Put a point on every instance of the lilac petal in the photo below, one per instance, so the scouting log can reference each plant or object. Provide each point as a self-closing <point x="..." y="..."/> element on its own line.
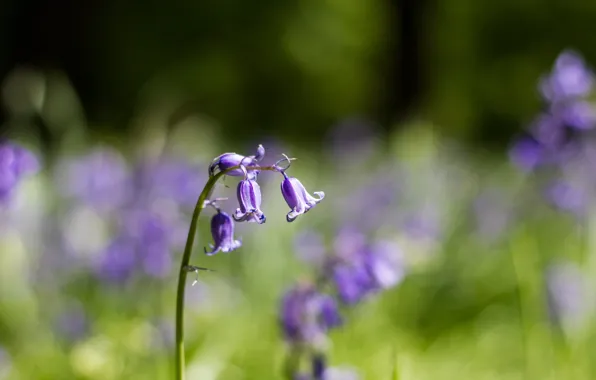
<point x="249" y="198"/>
<point x="222" y="231"/>
<point x="297" y="198"/>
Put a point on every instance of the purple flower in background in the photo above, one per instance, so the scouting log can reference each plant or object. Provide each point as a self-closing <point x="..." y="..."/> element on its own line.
<point x="154" y="236"/>
<point x="319" y="365"/>
<point x="527" y="154"/>
<point x="570" y="78"/>
<point x="118" y="260"/>
<point x="306" y="315"/>
<point x="249" y="198"/>
<point x="358" y="273"/>
<point x="173" y="179"/>
<point x="222" y="230"/>
<point x="580" y="115"/>
<point x="101" y="179"/>
<point x="229" y="160"/>
<point x="15" y="163"/>
<point x="297" y="198"/>
<point x="567" y="294"/>
<point x="567" y="197"/>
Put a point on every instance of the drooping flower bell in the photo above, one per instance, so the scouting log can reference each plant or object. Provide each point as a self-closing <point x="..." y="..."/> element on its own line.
<point x="229" y="160"/>
<point x="222" y="230"/>
<point x="249" y="198"/>
<point x="296" y="196"/>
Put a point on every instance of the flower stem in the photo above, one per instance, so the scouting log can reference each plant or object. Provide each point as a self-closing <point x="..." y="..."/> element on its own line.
<point x="205" y="194"/>
<point x="183" y="273"/>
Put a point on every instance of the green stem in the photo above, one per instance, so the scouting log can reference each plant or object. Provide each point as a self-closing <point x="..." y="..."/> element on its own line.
<point x="205" y="194"/>
<point x="183" y="273"/>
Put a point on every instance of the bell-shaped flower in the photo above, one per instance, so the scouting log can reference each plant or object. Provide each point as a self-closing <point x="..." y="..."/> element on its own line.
<point x="222" y="230"/>
<point x="227" y="161"/>
<point x="249" y="198"/>
<point x="296" y="196"/>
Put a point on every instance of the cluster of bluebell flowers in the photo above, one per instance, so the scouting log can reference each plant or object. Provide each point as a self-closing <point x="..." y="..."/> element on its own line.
<point x="559" y="139"/>
<point x="249" y="196"/>
<point x="351" y="272"/>
<point x="16" y="163"/>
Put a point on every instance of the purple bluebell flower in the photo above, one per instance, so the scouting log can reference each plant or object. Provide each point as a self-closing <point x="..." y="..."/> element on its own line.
<point x="101" y="179"/>
<point x="366" y="270"/>
<point x="568" y="197"/>
<point x="306" y="315"/>
<point x="222" y="230"/>
<point x="527" y="154"/>
<point x="118" y="261"/>
<point x="297" y="198"/>
<point x="570" y="78"/>
<point x="170" y="178"/>
<point x="15" y="163"/>
<point x="579" y="115"/>
<point x="249" y="198"/>
<point x="226" y="161"/>
<point x="319" y="365"/>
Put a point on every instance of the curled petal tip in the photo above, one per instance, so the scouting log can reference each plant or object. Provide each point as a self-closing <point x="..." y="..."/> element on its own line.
<point x="320" y="194"/>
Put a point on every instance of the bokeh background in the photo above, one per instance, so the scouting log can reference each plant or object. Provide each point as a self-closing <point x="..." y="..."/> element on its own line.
<point x="404" y="112"/>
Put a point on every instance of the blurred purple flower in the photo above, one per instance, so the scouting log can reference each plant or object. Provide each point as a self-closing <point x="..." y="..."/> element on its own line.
<point x="15" y="163"/>
<point x="222" y="231"/>
<point x="366" y="270"/>
<point x="100" y="179"/>
<point x="570" y="78"/>
<point x="118" y="261"/>
<point x="567" y="197"/>
<point x="173" y="179"/>
<point x="527" y="154"/>
<point x="567" y="293"/>
<point x="306" y="315"/>
<point x="580" y="115"/>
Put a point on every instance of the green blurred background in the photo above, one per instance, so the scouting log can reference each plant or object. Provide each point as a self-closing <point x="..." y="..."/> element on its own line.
<point x="293" y="68"/>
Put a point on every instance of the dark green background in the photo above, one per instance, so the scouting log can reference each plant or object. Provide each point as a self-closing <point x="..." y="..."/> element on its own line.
<point x="294" y="68"/>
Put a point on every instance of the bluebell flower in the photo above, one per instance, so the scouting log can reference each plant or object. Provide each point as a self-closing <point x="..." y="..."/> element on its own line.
<point x="222" y="230"/>
<point x="570" y="78"/>
<point x="366" y="271"/>
<point x="118" y="261"/>
<point x="249" y="198"/>
<point x="100" y="179"/>
<point x="527" y="154"/>
<point x="15" y="163"/>
<point x="297" y="198"/>
<point x="226" y="161"/>
<point x="319" y="365"/>
<point x="568" y="197"/>
<point x="306" y="315"/>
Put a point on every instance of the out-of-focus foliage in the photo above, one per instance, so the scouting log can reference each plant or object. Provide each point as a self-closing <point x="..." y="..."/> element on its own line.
<point x="495" y="282"/>
<point x="490" y="280"/>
